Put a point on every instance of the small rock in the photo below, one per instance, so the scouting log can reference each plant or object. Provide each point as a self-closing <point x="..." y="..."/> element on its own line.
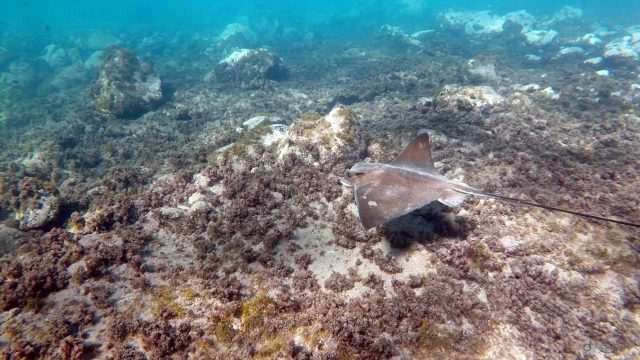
<point x="468" y="97"/>
<point x="593" y="61"/>
<point x="540" y="37"/>
<point x="277" y="134"/>
<point x="572" y="50"/>
<point x="590" y="39"/>
<point x="550" y="93"/>
<point x="623" y="50"/>
<point x="481" y="69"/>
<point x="257" y="120"/>
<point x="41" y="210"/>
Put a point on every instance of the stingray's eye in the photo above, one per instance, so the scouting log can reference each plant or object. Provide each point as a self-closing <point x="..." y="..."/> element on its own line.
<point x="351" y="174"/>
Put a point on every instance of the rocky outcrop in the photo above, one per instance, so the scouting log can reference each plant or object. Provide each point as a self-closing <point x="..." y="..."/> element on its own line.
<point x="126" y="87"/>
<point x="248" y="68"/>
<point x="332" y="135"/>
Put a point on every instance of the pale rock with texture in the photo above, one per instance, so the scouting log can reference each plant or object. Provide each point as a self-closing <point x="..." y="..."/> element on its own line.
<point x="623" y="49"/>
<point x="550" y="93"/>
<point x="593" y="61"/>
<point x="590" y="39"/>
<point x="522" y="18"/>
<point x="278" y="134"/>
<point x="468" y="97"/>
<point x="257" y="120"/>
<point x="331" y="134"/>
<point x="235" y="57"/>
<point x="126" y="87"/>
<point x="540" y="37"/>
<point x="482" y="69"/>
<point x="249" y="66"/>
<point x="571" y="50"/>
<point x="474" y="22"/>
<point x="42" y="209"/>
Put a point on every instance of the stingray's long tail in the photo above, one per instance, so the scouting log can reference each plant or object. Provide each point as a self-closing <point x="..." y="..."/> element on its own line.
<point x="472" y="191"/>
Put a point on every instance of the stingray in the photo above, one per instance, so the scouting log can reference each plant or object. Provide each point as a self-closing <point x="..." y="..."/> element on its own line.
<point x="384" y="192"/>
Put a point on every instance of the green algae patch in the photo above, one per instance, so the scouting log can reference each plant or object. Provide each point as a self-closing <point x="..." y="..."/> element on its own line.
<point x="271" y="348"/>
<point x="190" y="294"/>
<point x="434" y="340"/>
<point x="247" y="322"/>
<point x="165" y="305"/>
<point x="256" y="310"/>
<point x="483" y="259"/>
<point x="223" y="331"/>
<point x="437" y="341"/>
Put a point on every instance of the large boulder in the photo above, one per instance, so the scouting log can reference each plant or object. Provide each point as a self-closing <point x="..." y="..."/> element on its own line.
<point x="126" y="87"/>
<point x="247" y="67"/>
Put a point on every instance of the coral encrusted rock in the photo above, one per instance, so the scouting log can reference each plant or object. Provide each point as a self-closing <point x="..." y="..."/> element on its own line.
<point x="248" y="67"/>
<point x="333" y="135"/>
<point x="38" y="210"/>
<point x="126" y="87"/>
<point x="467" y="98"/>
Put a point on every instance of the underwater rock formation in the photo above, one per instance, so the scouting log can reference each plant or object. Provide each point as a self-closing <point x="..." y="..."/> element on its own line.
<point x="38" y="210"/>
<point x="248" y="67"/>
<point x="127" y="87"/>
<point x="467" y="98"/>
<point x="217" y="227"/>
<point x="332" y="135"/>
<point x="485" y="24"/>
<point x="625" y="50"/>
<point x="56" y="56"/>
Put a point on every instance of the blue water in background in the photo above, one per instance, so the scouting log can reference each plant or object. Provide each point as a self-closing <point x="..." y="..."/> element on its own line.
<point x="46" y="18"/>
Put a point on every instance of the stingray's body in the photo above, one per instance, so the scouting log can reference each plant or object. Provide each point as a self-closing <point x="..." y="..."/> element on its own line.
<point x="384" y="192"/>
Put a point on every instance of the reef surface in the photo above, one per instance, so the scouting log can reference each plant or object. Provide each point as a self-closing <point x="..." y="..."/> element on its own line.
<point x="174" y="196"/>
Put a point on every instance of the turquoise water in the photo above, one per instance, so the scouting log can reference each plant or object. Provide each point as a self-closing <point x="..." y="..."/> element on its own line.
<point x="201" y="15"/>
<point x="186" y="180"/>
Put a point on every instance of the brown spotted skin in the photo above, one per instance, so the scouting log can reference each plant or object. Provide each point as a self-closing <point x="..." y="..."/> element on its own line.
<point x="384" y="195"/>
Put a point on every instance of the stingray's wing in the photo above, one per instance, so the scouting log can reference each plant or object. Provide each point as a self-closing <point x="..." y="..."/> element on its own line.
<point x="382" y="196"/>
